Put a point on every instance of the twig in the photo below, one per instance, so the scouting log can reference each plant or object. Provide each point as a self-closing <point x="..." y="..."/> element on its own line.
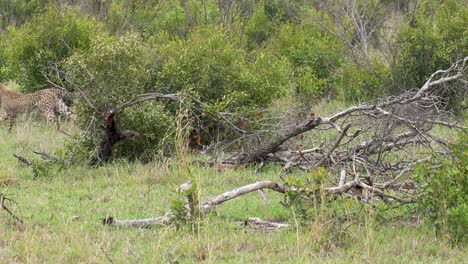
<point x="4" y="207"/>
<point x="46" y="156"/>
<point x="107" y="256"/>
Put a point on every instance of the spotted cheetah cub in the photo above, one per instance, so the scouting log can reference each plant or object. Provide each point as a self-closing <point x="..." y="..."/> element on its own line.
<point x="48" y="101"/>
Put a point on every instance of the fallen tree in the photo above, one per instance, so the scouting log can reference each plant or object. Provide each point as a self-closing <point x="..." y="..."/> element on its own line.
<point x="376" y="144"/>
<point x="215" y="201"/>
<point x="379" y="127"/>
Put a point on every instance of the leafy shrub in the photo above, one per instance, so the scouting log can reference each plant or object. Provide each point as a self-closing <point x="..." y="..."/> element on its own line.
<point x="144" y="18"/>
<point x="259" y="28"/>
<point x="224" y="77"/>
<point x="432" y="40"/>
<point x="354" y="83"/>
<point x="14" y="13"/>
<point x="207" y="66"/>
<point x="121" y="68"/>
<point x="314" y="55"/>
<point x="42" y="168"/>
<point x="306" y="46"/>
<point x="308" y="86"/>
<point x="48" y="38"/>
<point x="444" y="199"/>
<point x="305" y="204"/>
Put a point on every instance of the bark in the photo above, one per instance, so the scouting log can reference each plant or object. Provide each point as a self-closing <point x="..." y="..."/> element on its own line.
<point x="112" y="136"/>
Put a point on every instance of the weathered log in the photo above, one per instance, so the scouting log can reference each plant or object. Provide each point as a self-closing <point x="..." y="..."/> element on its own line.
<point x="45" y="156"/>
<point x="261" y="154"/>
<point x="140" y="223"/>
<point x="219" y="199"/>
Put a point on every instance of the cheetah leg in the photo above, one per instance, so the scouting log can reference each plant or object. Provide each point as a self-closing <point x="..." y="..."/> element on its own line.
<point x="52" y="117"/>
<point x="62" y="109"/>
<point x="11" y="119"/>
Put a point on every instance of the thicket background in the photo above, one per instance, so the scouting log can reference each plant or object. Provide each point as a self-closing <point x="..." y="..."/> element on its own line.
<point x="237" y="56"/>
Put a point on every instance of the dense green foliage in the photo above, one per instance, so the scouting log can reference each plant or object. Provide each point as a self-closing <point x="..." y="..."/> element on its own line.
<point x="48" y="38"/>
<point x="235" y="56"/>
<point x="435" y="37"/>
<point x="107" y="60"/>
<point x="444" y="199"/>
<point x="314" y="56"/>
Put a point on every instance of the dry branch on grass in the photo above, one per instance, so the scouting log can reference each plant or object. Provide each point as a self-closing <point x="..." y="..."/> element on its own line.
<point x="390" y="122"/>
<point x="204" y="207"/>
<point x="264" y="225"/>
<point x="45" y="157"/>
<point x="215" y="201"/>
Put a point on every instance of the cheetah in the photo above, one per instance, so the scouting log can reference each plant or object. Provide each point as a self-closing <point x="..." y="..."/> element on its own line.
<point x="48" y="101"/>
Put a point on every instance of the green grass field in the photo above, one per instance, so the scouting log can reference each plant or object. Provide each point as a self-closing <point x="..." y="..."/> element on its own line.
<point x="62" y="214"/>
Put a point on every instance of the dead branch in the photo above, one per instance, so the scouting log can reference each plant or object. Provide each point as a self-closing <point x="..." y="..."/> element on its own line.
<point x="342" y="177"/>
<point x="205" y="207"/>
<point x="23" y="159"/>
<point x="215" y="201"/>
<point x="46" y="156"/>
<point x="140" y="223"/>
<point x="145" y="97"/>
<point x="391" y="124"/>
<point x="261" y="154"/>
<point x="4" y="199"/>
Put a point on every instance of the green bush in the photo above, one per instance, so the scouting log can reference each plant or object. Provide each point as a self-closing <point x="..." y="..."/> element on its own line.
<point x="206" y="65"/>
<point x="306" y="46"/>
<point x="444" y="199"/>
<point x="226" y="78"/>
<point x="45" y="40"/>
<point x="259" y="28"/>
<point x="354" y="83"/>
<point x="144" y="18"/>
<point x="306" y="205"/>
<point x="309" y="87"/>
<point x="121" y="68"/>
<point x="315" y="57"/>
<point x="14" y="13"/>
<point x="432" y="40"/>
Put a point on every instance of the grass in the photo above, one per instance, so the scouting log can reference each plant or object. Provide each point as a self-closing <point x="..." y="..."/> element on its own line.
<point x="63" y="211"/>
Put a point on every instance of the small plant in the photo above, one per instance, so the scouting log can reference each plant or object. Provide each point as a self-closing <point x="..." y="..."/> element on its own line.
<point x="304" y="195"/>
<point x="185" y="205"/>
<point x="45" y="168"/>
<point x="444" y="199"/>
